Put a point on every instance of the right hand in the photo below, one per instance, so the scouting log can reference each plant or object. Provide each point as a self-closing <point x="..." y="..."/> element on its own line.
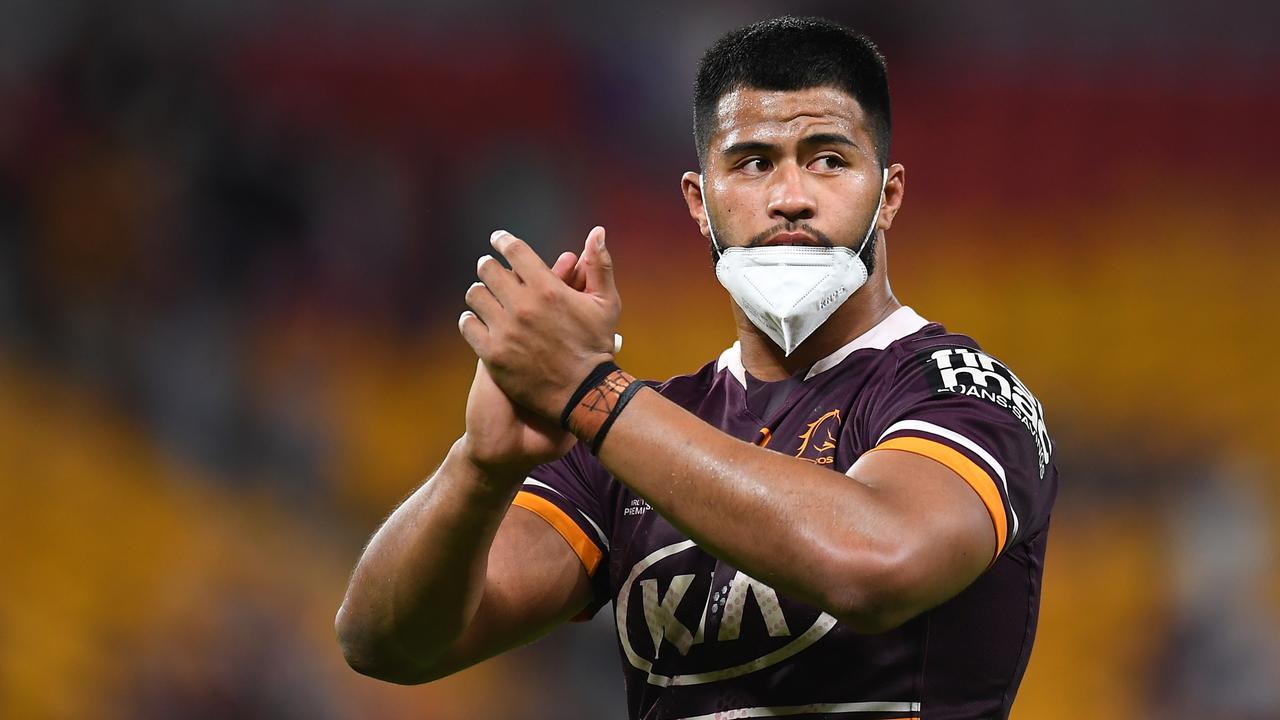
<point x="503" y="437"/>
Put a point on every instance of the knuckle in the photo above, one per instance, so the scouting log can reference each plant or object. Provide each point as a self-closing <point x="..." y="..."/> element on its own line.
<point x="498" y="358"/>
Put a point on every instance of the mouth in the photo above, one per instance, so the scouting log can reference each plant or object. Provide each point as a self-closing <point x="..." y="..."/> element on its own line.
<point x="793" y="238"/>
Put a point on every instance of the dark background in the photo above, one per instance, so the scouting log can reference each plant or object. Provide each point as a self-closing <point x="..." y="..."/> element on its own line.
<point x="234" y="239"/>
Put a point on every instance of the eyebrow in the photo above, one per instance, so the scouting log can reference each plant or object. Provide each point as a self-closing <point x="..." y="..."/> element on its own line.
<point x="756" y="146"/>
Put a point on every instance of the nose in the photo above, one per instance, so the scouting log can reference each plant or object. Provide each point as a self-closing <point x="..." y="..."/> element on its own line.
<point x="789" y="197"/>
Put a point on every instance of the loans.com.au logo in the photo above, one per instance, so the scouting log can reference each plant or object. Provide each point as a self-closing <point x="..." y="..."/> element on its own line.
<point x="963" y="371"/>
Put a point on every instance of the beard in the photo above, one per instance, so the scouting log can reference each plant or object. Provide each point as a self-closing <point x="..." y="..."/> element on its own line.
<point x="868" y="254"/>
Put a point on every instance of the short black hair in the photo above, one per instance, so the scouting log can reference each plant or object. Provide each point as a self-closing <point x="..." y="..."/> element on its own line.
<point x="793" y="53"/>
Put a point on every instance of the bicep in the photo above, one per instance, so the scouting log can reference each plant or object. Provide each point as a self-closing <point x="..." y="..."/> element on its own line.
<point x="946" y="536"/>
<point x="534" y="582"/>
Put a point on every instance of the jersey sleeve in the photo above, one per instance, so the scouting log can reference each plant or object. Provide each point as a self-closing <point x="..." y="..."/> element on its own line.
<point x="968" y="411"/>
<point x="569" y="495"/>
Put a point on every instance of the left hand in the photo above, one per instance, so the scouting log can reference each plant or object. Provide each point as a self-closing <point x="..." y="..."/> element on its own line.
<point x="538" y="336"/>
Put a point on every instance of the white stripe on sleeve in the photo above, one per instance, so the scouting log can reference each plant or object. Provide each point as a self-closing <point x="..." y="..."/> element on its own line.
<point x="599" y="533"/>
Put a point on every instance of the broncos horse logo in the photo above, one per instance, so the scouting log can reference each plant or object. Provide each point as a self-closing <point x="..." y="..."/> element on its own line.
<point x="818" y="441"/>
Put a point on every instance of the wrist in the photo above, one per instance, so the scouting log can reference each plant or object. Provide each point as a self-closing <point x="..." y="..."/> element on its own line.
<point x="597" y="402"/>
<point x="554" y="407"/>
<point x="500" y="475"/>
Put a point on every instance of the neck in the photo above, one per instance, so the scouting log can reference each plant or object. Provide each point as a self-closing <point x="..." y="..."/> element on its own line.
<point x="764" y="360"/>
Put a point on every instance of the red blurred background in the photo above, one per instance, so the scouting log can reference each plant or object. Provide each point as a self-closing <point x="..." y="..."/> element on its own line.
<point x="234" y="241"/>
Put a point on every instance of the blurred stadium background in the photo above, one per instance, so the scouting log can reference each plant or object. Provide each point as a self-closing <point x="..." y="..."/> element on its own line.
<point x="234" y="239"/>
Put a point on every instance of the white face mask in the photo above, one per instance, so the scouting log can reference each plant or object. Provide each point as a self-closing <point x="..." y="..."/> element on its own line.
<point x="789" y="291"/>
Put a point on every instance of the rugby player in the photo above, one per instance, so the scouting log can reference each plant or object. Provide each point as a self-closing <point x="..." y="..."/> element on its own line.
<point x="843" y="516"/>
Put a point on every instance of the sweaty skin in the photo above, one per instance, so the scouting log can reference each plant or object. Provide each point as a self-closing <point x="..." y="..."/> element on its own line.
<point x="906" y="536"/>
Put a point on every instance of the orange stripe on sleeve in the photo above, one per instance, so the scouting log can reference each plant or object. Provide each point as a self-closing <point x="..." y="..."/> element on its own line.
<point x="586" y="550"/>
<point x="977" y="478"/>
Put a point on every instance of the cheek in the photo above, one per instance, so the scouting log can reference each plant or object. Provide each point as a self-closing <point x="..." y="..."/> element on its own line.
<point x="732" y="210"/>
<point x="843" y="218"/>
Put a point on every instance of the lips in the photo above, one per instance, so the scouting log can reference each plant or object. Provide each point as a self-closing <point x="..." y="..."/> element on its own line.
<point x="792" y="238"/>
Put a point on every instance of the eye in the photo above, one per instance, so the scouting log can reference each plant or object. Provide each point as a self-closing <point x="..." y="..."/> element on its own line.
<point x="828" y="163"/>
<point x="755" y="166"/>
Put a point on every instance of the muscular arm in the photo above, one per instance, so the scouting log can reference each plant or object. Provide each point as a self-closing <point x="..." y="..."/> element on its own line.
<point x="452" y="578"/>
<point x="456" y="574"/>
<point x="897" y="536"/>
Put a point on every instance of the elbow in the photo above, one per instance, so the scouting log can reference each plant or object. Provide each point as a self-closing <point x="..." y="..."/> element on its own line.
<point x="871" y="595"/>
<point x="374" y="655"/>
<point x="872" y="619"/>
<point x="361" y="648"/>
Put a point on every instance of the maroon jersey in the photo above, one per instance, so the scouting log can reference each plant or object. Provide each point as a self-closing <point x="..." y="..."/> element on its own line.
<point x="702" y="640"/>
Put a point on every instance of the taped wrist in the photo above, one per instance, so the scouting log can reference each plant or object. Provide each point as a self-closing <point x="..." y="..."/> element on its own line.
<point x="597" y="402"/>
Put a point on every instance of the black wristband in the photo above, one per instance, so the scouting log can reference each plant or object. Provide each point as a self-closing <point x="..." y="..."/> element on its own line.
<point x="623" y="399"/>
<point x="593" y="379"/>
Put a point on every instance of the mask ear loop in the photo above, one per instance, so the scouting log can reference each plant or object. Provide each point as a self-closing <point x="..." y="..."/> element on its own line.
<point x="884" y="182"/>
<point x="715" y="246"/>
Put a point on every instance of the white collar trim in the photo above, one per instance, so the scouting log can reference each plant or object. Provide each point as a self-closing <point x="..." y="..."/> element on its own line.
<point x="899" y="324"/>
<point x="731" y="358"/>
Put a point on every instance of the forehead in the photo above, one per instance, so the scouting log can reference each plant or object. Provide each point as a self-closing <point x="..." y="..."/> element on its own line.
<point x="778" y="115"/>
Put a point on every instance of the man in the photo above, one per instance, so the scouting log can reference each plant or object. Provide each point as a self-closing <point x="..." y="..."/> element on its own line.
<point x="842" y="516"/>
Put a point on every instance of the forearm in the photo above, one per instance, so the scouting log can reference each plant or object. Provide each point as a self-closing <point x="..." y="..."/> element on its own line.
<point x="421" y="578"/>
<point x="813" y="533"/>
<point x="898" y="535"/>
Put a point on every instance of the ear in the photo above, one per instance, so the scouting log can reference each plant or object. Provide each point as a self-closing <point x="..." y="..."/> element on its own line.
<point x="691" y="187"/>
<point x="893" y="191"/>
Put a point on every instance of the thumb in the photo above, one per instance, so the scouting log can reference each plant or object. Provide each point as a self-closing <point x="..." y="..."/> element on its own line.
<point x="597" y="265"/>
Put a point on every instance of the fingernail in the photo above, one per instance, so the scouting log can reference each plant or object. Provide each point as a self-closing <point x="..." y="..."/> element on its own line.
<point x="493" y="238"/>
<point x="483" y="258"/>
<point x="600" y="241"/>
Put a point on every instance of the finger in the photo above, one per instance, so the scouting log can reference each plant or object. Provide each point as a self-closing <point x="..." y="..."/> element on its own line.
<point x="564" y="266"/>
<point x="597" y="265"/>
<point x="578" y="279"/>
<point x="474" y="332"/>
<point x="523" y="260"/>
<point x="500" y="281"/>
<point x="485" y="305"/>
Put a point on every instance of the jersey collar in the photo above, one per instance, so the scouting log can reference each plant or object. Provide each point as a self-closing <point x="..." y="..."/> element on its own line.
<point x="899" y="324"/>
